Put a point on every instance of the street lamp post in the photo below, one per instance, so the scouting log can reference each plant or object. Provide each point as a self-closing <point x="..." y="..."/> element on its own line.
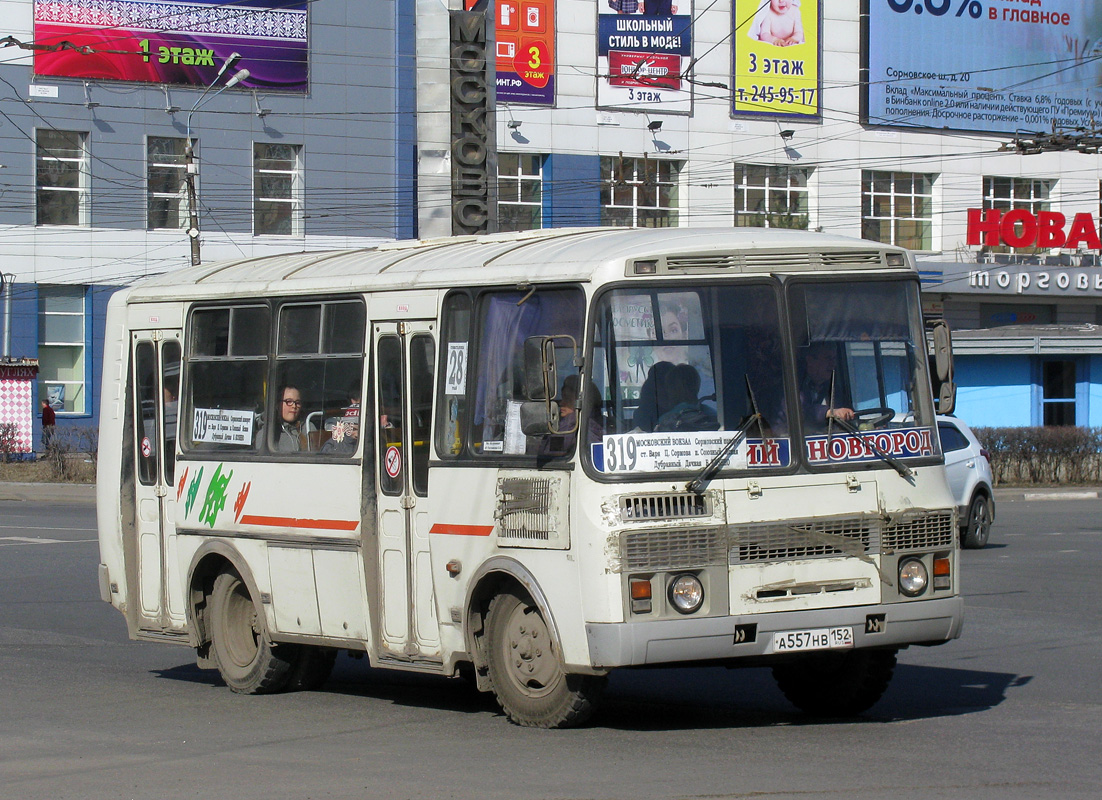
<point x="189" y="150"/>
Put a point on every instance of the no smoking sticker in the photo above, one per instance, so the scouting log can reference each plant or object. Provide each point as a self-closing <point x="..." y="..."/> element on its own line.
<point x="393" y="461"/>
<point x="147" y="448"/>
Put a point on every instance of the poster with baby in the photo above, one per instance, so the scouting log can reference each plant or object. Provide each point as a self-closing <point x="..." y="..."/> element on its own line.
<point x="775" y="57"/>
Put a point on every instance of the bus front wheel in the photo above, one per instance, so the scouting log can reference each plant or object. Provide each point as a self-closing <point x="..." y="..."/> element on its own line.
<point x="836" y="684"/>
<point x="531" y="686"/>
<point x="248" y="662"/>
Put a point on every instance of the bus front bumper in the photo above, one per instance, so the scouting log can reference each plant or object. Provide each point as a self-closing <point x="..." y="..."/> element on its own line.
<point x="668" y="641"/>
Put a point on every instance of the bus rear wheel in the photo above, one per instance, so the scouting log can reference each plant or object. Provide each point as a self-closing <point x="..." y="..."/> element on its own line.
<point x="248" y="662"/>
<point x="528" y="678"/>
<point x="836" y="684"/>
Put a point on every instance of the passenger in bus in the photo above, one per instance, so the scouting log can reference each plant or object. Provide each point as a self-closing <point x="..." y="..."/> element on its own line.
<point x="293" y="430"/>
<point x="686" y="413"/>
<point x="817" y="382"/>
<point x="649" y="409"/>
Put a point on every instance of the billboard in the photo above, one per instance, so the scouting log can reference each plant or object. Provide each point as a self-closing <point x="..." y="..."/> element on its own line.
<point x="525" y="50"/>
<point x="643" y="49"/>
<point x="998" y="66"/>
<point x="775" y="58"/>
<point x="178" y="43"/>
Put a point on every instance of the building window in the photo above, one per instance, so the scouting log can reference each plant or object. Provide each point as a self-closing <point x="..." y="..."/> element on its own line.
<point x="896" y="208"/>
<point x="61" y="347"/>
<point x="277" y="194"/>
<point x="639" y="192"/>
<point x="1058" y="392"/>
<point x="771" y="196"/>
<point x="166" y="183"/>
<point x="1007" y="194"/>
<point x="519" y="192"/>
<point x="61" y="177"/>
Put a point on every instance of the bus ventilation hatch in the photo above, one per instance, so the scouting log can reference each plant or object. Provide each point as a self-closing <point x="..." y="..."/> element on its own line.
<point x="674" y="505"/>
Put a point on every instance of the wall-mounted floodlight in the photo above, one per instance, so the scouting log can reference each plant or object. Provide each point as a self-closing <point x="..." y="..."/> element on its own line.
<point x="655" y="126"/>
<point x="787" y="134"/>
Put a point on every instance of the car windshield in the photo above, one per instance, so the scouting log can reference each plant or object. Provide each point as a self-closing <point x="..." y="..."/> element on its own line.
<point x="680" y="369"/>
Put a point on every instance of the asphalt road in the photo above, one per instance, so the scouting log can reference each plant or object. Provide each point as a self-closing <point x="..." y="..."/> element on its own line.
<point x="1011" y="710"/>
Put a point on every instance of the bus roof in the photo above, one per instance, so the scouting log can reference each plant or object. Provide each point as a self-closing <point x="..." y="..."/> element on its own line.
<point x="560" y="254"/>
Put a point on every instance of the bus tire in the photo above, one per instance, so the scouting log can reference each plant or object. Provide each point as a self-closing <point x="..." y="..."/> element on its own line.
<point x="527" y="675"/>
<point x="836" y="684"/>
<point x="249" y="664"/>
<point x="311" y="668"/>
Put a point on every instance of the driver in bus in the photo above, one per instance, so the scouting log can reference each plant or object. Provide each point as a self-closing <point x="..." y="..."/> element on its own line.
<point x="816" y="381"/>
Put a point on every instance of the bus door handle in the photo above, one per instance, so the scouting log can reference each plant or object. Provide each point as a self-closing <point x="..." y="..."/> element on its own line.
<point x="408" y="501"/>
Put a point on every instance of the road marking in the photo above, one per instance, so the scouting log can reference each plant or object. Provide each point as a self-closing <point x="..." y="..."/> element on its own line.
<point x="32" y="540"/>
<point x="44" y="528"/>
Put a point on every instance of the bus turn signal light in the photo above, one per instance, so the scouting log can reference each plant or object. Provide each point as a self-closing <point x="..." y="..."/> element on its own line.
<point x="942" y="573"/>
<point x="640" y="595"/>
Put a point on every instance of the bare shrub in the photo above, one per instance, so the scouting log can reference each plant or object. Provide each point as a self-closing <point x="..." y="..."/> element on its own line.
<point x="9" y="441"/>
<point x="1044" y="455"/>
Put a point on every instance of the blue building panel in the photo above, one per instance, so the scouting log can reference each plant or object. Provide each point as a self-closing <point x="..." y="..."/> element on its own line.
<point x="571" y="191"/>
<point x="995" y="391"/>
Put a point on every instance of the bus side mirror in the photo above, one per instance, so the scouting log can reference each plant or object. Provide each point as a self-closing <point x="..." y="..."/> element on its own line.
<point x="541" y="379"/>
<point x="539" y="417"/>
<point x="945" y="399"/>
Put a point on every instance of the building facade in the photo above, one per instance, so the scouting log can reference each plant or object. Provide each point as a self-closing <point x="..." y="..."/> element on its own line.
<point x="964" y="132"/>
<point x="311" y="147"/>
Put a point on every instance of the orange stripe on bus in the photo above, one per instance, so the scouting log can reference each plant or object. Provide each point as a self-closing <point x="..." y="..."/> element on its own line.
<point x="462" y="530"/>
<point x="289" y="522"/>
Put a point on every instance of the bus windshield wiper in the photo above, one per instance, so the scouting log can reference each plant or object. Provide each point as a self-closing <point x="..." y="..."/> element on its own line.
<point x="870" y="442"/>
<point x="712" y="467"/>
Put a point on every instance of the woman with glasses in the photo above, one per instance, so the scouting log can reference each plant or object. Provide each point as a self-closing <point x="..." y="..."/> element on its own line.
<point x="293" y="430"/>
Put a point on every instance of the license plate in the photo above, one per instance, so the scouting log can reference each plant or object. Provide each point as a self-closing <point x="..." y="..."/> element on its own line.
<point x="815" y="639"/>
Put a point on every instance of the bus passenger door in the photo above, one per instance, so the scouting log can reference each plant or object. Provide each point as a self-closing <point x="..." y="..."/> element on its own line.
<point x="156" y="359"/>
<point x="404" y="357"/>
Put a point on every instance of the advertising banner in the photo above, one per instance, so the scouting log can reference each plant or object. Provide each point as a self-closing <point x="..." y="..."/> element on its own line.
<point x="999" y="66"/>
<point x="643" y="49"/>
<point x="525" y="43"/>
<point x="178" y="43"/>
<point x="775" y="58"/>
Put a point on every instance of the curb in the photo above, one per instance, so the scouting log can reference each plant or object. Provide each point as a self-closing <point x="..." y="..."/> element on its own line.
<point x="40" y="492"/>
<point x="1029" y="494"/>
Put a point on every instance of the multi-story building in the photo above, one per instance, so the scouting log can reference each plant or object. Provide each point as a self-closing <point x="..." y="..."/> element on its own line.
<point x="892" y="120"/>
<point x="910" y="121"/>
<point x="311" y="147"/>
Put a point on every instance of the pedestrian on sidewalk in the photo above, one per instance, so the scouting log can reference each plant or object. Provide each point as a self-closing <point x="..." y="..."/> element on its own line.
<point x="49" y="421"/>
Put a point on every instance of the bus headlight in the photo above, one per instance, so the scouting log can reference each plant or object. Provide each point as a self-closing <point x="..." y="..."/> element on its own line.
<point x="686" y="593"/>
<point x="913" y="577"/>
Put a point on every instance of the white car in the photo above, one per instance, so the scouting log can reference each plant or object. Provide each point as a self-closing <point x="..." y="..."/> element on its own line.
<point x="969" y="471"/>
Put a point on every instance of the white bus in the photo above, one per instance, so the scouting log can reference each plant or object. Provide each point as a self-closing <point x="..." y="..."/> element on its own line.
<point x="531" y="459"/>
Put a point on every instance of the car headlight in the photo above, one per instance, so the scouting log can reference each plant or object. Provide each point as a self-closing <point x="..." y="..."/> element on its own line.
<point x="686" y="593"/>
<point x="913" y="577"/>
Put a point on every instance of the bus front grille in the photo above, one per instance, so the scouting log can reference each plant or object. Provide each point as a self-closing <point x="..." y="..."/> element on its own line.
<point x="672" y="549"/>
<point x="925" y="532"/>
<point x="779" y="541"/>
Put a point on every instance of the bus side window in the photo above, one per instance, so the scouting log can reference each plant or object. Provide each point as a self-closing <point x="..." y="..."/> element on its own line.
<point x="317" y="379"/>
<point x="227" y="369"/>
<point x="506" y="320"/>
<point x="454" y="361"/>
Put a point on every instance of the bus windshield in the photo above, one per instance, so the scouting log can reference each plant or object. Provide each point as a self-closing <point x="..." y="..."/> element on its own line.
<point x="680" y="369"/>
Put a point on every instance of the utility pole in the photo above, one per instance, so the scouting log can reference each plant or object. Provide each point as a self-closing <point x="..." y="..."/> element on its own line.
<point x="192" y="168"/>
